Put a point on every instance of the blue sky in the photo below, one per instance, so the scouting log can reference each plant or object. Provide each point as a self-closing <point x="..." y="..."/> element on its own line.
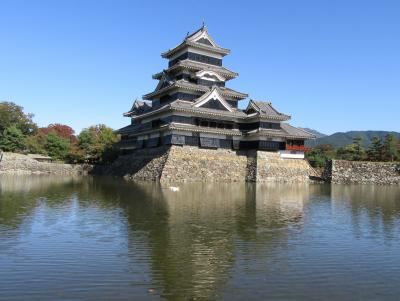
<point x="332" y="65"/>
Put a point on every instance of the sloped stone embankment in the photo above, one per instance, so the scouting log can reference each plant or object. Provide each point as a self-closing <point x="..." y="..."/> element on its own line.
<point x="13" y="163"/>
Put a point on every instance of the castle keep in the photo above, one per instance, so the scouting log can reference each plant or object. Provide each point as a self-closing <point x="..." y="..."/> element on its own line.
<point x="192" y="109"/>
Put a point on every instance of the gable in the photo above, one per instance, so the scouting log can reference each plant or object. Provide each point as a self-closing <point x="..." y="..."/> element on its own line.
<point x="252" y="108"/>
<point x="204" y="41"/>
<point x="203" y="37"/>
<point x="214" y="104"/>
<point x="164" y="82"/>
<point x="251" y="111"/>
<point x="217" y="101"/>
<point x="210" y="77"/>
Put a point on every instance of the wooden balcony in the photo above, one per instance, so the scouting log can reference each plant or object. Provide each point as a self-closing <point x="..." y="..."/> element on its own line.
<point x="300" y="148"/>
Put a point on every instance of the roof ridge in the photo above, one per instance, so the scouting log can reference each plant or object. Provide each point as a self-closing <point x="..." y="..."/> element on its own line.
<point x="188" y="36"/>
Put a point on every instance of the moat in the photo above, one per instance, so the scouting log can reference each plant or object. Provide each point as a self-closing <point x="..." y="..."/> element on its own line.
<point x="97" y="238"/>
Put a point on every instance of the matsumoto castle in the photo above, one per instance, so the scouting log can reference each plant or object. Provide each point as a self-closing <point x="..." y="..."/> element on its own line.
<point x="192" y="105"/>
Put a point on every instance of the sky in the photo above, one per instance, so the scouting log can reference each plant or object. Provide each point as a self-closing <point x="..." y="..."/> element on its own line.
<point x="334" y="66"/>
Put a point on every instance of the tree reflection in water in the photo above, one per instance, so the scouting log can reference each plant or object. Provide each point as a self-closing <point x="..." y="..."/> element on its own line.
<point x="377" y="206"/>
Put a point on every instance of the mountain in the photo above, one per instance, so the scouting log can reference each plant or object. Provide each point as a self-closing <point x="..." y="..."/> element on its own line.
<point x="314" y="132"/>
<point x="342" y="139"/>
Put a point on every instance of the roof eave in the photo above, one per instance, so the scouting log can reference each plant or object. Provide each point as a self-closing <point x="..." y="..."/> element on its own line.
<point x="170" y="52"/>
<point x="127" y="114"/>
<point x="278" y="118"/>
<point x="224" y="72"/>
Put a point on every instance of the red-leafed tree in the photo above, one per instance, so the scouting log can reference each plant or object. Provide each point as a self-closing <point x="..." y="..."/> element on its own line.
<point x="61" y="130"/>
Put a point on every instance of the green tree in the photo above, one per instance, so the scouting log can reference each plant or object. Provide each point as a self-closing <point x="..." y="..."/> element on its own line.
<point x="56" y="147"/>
<point x="98" y="142"/>
<point x="347" y="153"/>
<point x="320" y="155"/>
<point x="359" y="152"/>
<point x="13" y="115"/>
<point x="374" y="151"/>
<point x="398" y="147"/>
<point x="390" y="151"/>
<point x="12" y="139"/>
<point x="36" y="143"/>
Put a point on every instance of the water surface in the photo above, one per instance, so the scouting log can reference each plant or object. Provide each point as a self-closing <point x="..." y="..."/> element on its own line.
<point x="106" y="239"/>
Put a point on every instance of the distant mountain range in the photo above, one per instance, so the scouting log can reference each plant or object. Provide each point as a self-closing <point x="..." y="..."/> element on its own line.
<point x="342" y="139"/>
<point x="316" y="133"/>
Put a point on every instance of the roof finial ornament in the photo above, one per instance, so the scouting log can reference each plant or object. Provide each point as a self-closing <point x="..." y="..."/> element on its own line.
<point x="203" y="25"/>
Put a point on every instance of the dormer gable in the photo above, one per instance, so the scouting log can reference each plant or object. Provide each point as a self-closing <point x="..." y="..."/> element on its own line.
<point x="213" y="100"/>
<point x="210" y="75"/>
<point x="165" y="81"/>
<point x="203" y="37"/>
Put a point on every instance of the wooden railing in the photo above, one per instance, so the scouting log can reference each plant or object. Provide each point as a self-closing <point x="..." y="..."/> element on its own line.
<point x="301" y="148"/>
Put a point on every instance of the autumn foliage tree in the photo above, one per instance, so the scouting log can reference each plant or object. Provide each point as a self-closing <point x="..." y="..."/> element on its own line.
<point x="61" y="130"/>
<point x="18" y="133"/>
<point x="55" y="140"/>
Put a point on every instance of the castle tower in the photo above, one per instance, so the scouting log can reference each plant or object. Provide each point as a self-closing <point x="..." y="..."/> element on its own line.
<point x="192" y="105"/>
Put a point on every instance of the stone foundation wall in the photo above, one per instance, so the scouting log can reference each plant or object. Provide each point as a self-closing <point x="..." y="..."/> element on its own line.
<point x="272" y="168"/>
<point x="349" y="172"/>
<point x="142" y="165"/>
<point x="193" y="164"/>
<point x="251" y="168"/>
<point x="13" y="163"/>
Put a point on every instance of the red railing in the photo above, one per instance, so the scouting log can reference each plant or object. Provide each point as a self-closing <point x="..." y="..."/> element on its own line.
<point x="301" y="148"/>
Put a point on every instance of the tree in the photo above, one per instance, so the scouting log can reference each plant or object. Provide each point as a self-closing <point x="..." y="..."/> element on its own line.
<point x="35" y="144"/>
<point x="13" y="115"/>
<point x="12" y="140"/>
<point x="359" y="153"/>
<point x="98" y="143"/>
<point x="398" y="148"/>
<point x="62" y="130"/>
<point x="390" y="151"/>
<point x="76" y="154"/>
<point x="56" y="147"/>
<point x="347" y="152"/>
<point x="320" y="155"/>
<point x="374" y="152"/>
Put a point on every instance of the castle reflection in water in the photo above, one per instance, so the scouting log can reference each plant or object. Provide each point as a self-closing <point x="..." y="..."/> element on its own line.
<point x="193" y="242"/>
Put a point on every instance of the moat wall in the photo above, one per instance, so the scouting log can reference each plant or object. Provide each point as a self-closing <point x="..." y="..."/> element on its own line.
<point x="13" y="163"/>
<point x="142" y="165"/>
<point x="272" y="168"/>
<point x="192" y="164"/>
<point x="361" y="172"/>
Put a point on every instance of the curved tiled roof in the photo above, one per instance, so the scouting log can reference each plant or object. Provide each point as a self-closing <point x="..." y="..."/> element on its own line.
<point x="265" y="109"/>
<point x="195" y="87"/>
<point x="185" y="106"/>
<point x="286" y="131"/>
<point x="296" y="132"/>
<point x="139" y="107"/>
<point x="190" y="41"/>
<point x="197" y="66"/>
